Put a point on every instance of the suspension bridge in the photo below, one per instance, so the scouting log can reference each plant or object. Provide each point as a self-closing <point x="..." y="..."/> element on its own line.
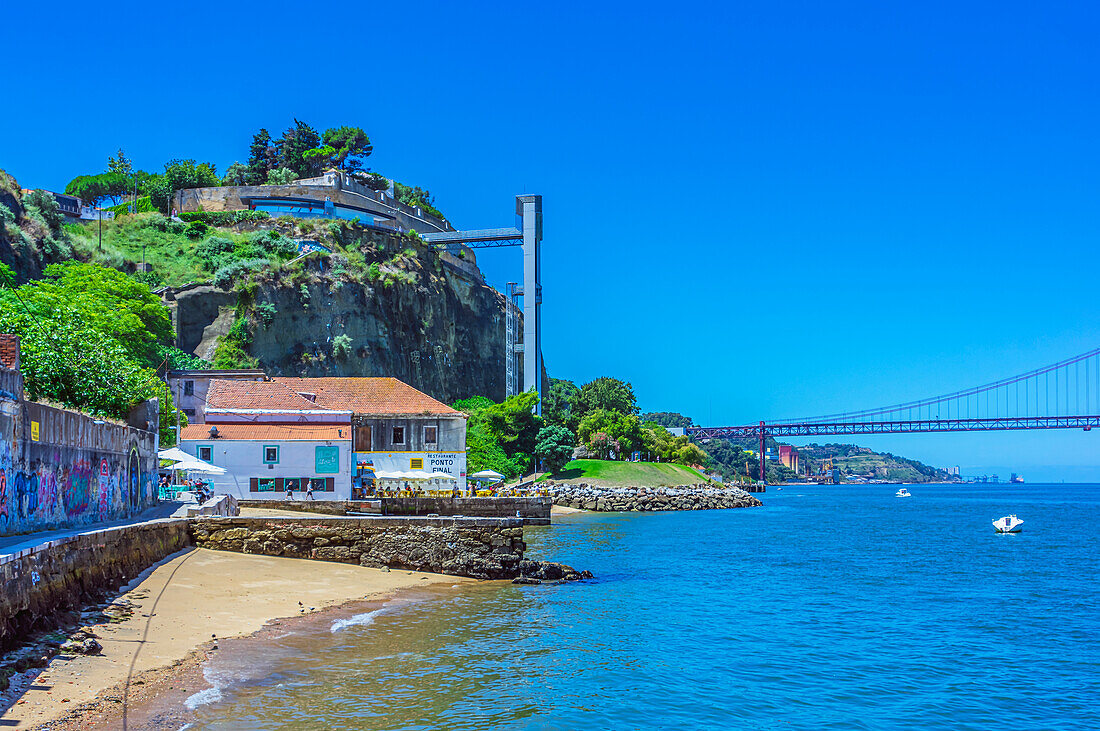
<point x="1063" y="395"/>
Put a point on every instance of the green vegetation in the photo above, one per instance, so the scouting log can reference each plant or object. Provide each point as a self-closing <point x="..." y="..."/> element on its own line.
<point x="501" y="436"/>
<point x="92" y="339"/>
<point x="554" y="447"/>
<point x="628" y="474"/>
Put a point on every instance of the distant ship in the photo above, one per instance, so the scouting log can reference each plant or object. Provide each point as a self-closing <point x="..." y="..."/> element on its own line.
<point x="1016" y="479"/>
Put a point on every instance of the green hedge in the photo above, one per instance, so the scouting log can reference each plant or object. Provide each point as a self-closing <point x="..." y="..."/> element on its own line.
<point x="225" y="218"/>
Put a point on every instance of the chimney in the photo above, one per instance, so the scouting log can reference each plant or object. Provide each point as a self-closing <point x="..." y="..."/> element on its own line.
<point x="308" y="396"/>
<point x="9" y="351"/>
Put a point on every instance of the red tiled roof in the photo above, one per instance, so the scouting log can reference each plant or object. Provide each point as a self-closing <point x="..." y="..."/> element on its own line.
<point x="367" y="395"/>
<point x="273" y="432"/>
<point x="232" y="394"/>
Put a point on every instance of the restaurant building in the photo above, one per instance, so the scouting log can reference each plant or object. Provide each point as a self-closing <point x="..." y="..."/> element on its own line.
<point x="344" y="437"/>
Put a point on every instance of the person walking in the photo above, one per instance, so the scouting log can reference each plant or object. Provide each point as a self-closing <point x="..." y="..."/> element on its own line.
<point x="289" y="492"/>
<point x="309" y="491"/>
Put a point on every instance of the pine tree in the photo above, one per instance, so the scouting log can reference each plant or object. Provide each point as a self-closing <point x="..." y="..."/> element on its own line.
<point x="261" y="158"/>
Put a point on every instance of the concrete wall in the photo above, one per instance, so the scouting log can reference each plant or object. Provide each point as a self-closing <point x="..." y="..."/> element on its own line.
<point x="40" y="584"/>
<point x="533" y="510"/>
<point x="225" y="505"/>
<point x="340" y="192"/>
<point x="244" y="460"/>
<point x="483" y="548"/>
<point x="61" y="468"/>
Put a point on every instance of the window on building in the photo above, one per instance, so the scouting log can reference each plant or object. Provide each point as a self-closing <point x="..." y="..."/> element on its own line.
<point x="363" y="441"/>
<point x="188" y="388"/>
<point x="430" y="433"/>
<point x="416" y="463"/>
<point x="271" y="454"/>
<point x="189" y="412"/>
<point x="205" y="453"/>
<point x="293" y="484"/>
<point x="266" y="484"/>
<point x="398" y="435"/>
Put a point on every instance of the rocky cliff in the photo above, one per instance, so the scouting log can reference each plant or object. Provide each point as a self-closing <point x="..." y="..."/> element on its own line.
<point x="419" y="318"/>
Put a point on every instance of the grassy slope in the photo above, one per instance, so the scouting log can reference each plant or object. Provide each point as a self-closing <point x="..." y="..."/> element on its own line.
<point x="623" y="474"/>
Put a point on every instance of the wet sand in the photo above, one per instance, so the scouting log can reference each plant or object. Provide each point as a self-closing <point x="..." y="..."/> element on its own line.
<point x="563" y="510"/>
<point x="179" y="607"/>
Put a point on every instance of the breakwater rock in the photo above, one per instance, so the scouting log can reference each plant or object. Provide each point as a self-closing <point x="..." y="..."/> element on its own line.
<point x="630" y="499"/>
<point x="547" y="572"/>
<point x="482" y="548"/>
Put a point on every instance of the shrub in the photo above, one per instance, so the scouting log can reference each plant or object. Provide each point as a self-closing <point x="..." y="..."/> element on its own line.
<point x="213" y="249"/>
<point x="281" y="176"/>
<point x="266" y="312"/>
<point x="341" y="347"/>
<point x="44" y="207"/>
<point x="374" y="272"/>
<point x="197" y="229"/>
<point x="229" y="273"/>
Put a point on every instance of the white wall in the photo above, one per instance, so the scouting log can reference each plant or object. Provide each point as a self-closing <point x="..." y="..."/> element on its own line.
<point x="244" y="459"/>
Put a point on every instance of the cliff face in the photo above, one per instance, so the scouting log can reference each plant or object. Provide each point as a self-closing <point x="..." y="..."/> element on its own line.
<point x="17" y="249"/>
<point x="442" y="333"/>
<point x="443" y="336"/>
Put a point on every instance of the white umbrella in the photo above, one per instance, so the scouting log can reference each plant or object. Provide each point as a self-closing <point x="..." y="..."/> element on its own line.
<point x="487" y="475"/>
<point x="197" y="465"/>
<point x="443" y="476"/>
<point x="175" y="454"/>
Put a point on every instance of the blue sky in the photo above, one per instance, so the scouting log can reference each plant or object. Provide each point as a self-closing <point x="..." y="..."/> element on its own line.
<point x="752" y="210"/>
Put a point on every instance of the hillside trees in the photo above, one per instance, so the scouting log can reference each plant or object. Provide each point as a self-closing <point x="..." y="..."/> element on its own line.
<point x="92" y="339"/>
<point x="95" y="189"/>
<point x="557" y="402"/>
<point x="262" y="158"/>
<point x="296" y="141"/>
<point x="501" y="437"/>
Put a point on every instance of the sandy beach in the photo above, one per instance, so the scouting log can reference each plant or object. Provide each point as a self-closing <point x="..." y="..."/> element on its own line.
<point x="179" y="605"/>
<point x="563" y="510"/>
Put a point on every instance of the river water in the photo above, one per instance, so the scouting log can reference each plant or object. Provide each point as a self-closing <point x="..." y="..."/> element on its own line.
<point x="830" y="607"/>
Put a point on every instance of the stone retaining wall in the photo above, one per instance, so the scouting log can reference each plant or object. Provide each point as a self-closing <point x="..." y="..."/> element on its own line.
<point x="322" y="507"/>
<point x="626" y="499"/>
<point x="533" y="510"/>
<point x="483" y="548"/>
<point x="40" y="584"/>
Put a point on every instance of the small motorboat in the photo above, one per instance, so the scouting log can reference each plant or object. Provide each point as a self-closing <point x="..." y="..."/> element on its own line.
<point x="903" y="493"/>
<point x="1008" y="524"/>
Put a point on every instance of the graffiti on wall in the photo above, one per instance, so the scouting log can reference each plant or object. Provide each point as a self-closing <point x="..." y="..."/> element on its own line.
<point x="78" y="472"/>
<point x="53" y="493"/>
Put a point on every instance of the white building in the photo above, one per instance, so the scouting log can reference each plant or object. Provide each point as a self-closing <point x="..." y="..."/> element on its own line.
<point x="264" y="461"/>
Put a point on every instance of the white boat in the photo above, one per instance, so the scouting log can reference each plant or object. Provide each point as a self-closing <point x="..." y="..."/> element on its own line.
<point x="1008" y="524"/>
<point x="903" y="493"/>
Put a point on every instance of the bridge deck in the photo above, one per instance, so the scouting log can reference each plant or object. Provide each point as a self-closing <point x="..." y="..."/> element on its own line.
<point x="916" y="426"/>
